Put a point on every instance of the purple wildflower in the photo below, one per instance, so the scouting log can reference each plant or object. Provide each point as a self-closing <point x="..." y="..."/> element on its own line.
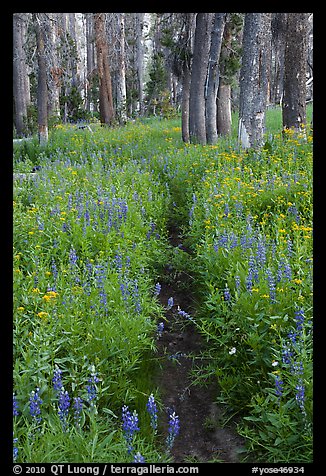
<point x="57" y="380"/>
<point x="157" y="290"/>
<point x="64" y="404"/>
<point x="35" y="403"/>
<point x="91" y="388"/>
<point x="173" y="431"/>
<point x="170" y="302"/>
<point x="15" y="449"/>
<point x="138" y="458"/>
<point x="160" y="329"/>
<point x="14" y="405"/>
<point x="152" y="410"/>
<point x="78" y="406"/>
<point x="226" y="292"/>
<point x="129" y="426"/>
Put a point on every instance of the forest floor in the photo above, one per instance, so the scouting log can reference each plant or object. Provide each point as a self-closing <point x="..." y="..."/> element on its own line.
<point x="203" y="438"/>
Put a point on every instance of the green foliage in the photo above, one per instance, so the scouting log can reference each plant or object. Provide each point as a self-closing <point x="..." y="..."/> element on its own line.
<point x="90" y="243"/>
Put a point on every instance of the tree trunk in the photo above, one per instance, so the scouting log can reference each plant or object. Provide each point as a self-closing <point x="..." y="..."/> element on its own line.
<point x="106" y="100"/>
<point x="186" y="75"/>
<point x="278" y="48"/>
<point x="90" y="59"/>
<point x="197" y="122"/>
<point x="20" y="76"/>
<point x="254" y="78"/>
<point x="42" y="90"/>
<point x="213" y="77"/>
<point x="294" y="85"/>
<point x="185" y="102"/>
<point x="54" y="72"/>
<point x="224" y="116"/>
<point x="121" y="71"/>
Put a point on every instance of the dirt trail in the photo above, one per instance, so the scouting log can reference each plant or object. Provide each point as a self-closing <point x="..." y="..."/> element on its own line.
<point x="201" y="438"/>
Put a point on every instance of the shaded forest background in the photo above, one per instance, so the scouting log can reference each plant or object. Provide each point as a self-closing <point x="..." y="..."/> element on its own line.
<point x="113" y="67"/>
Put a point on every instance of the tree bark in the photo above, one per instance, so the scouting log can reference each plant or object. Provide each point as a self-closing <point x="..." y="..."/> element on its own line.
<point x="224" y="116"/>
<point x="42" y="90"/>
<point x="20" y="76"/>
<point x="254" y="77"/>
<point x="294" y="85"/>
<point x="90" y="60"/>
<point x="106" y="100"/>
<point x="186" y="75"/>
<point x="121" y="71"/>
<point x="197" y="121"/>
<point x="213" y="77"/>
<point x="54" y="71"/>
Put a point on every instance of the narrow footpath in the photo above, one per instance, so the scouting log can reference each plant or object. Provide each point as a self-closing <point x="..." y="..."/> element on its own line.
<point x="202" y="438"/>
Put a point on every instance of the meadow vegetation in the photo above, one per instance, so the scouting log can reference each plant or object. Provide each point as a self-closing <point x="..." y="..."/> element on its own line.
<point x="90" y="245"/>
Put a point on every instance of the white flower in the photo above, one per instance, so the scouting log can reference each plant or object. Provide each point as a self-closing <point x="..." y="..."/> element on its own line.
<point x="274" y="363"/>
<point x="232" y="351"/>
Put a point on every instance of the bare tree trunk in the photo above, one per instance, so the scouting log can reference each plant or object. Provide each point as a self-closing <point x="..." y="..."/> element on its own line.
<point x="121" y="71"/>
<point x="197" y="122"/>
<point x="42" y="90"/>
<point x="91" y="57"/>
<point x="186" y="75"/>
<point x="106" y="100"/>
<point x="54" y="72"/>
<point x="140" y="59"/>
<point x="20" y="76"/>
<point x="294" y="92"/>
<point x="185" y="102"/>
<point x="213" y="76"/>
<point x="278" y="49"/>
<point x="254" y="78"/>
<point x="224" y="116"/>
<point x="229" y="65"/>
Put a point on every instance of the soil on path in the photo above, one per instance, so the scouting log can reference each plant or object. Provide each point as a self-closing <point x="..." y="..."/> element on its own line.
<point x="202" y="437"/>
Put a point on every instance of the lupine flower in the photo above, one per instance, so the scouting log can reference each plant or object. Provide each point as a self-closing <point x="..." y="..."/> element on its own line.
<point x="173" y="430"/>
<point x="78" y="406"/>
<point x="261" y="253"/>
<point x="226" y="292"/>
<point x="300" y="395"/>
<point x="35" y="403"/>
<point x="289" y="247"/>
<point x="271" y="284"/>
<point x="15" y="449"/>
<point x="184" y="314"/>
<point x="152" y="410"/>
<point x="160" y="329"/>
<point x="136" y="297"/>
<point x="177" y="356"/>
<point x="54" y="269"/>
<point x="157" y="290"/>
<point x="299" y="319"/>
<point x="237" y="283"/>
<point x="64" y="404"/>
<point x="129" y="426"/>
<point x="57" y="380"/>
<point x="72" y="257"/>
<point x="14" y="405"/>
<point x="287" y="355"/>
<point x="170" y="302"/>
<point x="91" y="388"/>
<point x="138" y="458"/>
